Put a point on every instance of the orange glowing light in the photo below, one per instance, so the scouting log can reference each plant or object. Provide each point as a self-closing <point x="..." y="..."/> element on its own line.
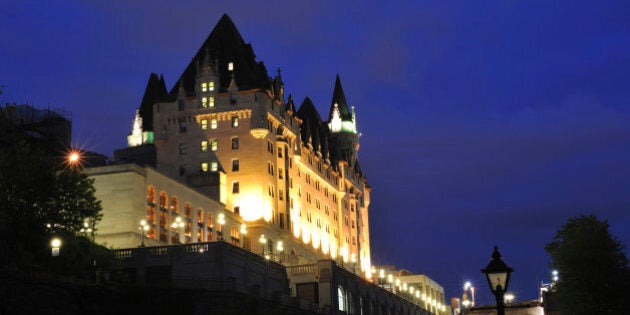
<point x="73" y="158"/>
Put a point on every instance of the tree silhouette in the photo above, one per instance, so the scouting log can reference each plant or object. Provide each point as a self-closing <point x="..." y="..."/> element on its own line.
<point x="593" y="268"/>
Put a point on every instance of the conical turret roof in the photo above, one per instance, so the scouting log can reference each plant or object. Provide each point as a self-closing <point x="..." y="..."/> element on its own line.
<point x="154" y="92"/>
<point x="339" y="98"/>
<point x="225" y="45"/>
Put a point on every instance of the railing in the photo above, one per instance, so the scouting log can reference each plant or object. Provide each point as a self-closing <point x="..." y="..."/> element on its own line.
<point x="123" y="254"/>
<point x="302" y="269"/>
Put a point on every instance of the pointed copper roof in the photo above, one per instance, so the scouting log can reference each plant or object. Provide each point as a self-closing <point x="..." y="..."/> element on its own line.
<point x="339" y="98"/>
<point x="225" y="45"/>
<point x="154" y="92"/>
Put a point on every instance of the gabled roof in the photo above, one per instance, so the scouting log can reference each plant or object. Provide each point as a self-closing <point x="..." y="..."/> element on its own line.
<point x="339" y="98"/>
<point x="225" y="45"/>
<point x="154" y="92"/>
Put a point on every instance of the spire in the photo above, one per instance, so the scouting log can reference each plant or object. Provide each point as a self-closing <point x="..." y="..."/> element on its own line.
<point x="154" y="92"/>
<point x="339" y="99"/>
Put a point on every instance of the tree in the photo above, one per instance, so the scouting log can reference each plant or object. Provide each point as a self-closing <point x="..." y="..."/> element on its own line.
<point x="593" y="268"/>
<point x="39" y="195"/>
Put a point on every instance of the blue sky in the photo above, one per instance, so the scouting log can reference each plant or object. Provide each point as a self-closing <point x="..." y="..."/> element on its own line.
<point x="482" y="123"/>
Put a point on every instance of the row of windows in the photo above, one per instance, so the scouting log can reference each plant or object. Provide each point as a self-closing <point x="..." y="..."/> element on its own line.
<point x="213" y="166"/>
<point x="205" y="145"/>
<point x="214" y="123"/>
<point x="207" y="86"/>
<point x="213" y="145"/>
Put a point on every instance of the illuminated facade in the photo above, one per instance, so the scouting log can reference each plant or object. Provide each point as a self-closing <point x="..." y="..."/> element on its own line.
<point x="227" y="130"/>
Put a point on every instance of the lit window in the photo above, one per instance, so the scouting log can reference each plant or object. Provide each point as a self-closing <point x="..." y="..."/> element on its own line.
<point x="230" y="66"/>
<point x="235" y="187"/>
<point x="234" y="122"/>
<point x="204" y="146"/>
<point x="211" y="101"/>
<point x="235" y="165"/>
<point x="214" y="166"/>
<point x="204" y="87"/>
<point x="204" y="167"/>
<point x="204" y="124"/>
<point x="213" y="145"/>
<point x="211" y="86"/>
<point x="213" y="123"/>
<point x="204" y="102"/>
<point x="235" y="143"/>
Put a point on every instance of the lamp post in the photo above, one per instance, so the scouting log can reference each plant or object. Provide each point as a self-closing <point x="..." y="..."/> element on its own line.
<point x="498" y="275"/>
<point x="280" y="248"/>
<point x="263" y="242"/>
<point x="144" y="227"/>
<point x="178" y="224"/>
<point x="221" y="222"/>
<point x="243" y="233"/>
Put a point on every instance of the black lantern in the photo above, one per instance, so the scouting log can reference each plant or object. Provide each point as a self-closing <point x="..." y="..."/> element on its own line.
<point x="498" y="275"/>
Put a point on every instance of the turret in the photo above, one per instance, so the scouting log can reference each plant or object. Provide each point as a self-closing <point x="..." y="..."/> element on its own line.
<point x="342" y="125"/>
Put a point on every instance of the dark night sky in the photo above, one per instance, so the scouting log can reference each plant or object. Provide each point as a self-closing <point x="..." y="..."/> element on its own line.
<point x="483" y="123"/>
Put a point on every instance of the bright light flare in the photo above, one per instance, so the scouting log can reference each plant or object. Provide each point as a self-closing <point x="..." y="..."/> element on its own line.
<point x="73" y="158"/>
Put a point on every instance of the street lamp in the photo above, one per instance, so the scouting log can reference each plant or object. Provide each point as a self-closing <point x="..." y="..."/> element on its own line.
<point x="55" y="243"/>
<point x="469" y="287"/>
<point x="263" y="243"/>
<point x="280" y="248"/>
<point x="144" y="227"/>
<point x="221" y="221"/>
<point x="178" y="224"/>
<point x="498" y="275"/>
<point x="243" y="233"/>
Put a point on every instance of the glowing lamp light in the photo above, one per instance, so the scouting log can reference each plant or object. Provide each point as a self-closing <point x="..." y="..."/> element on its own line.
<point x="55" y="243"/>
<point x="73" y="158"/>
<point x="509" y="297"/>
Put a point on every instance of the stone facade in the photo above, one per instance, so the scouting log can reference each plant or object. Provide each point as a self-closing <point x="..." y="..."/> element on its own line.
<point x="227" y="130"/>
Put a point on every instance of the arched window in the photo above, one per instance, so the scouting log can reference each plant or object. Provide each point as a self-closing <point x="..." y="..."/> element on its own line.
<point x="200" y="228"/>
<point x="209" y="227"/>
<point x="151" y="195"/>
<point x="163" y="231"/>
<point x="175" y="205"/>
<point x="151" y="211"/>
<point x="163" y="200"/>
<point x="341" y="298"/>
